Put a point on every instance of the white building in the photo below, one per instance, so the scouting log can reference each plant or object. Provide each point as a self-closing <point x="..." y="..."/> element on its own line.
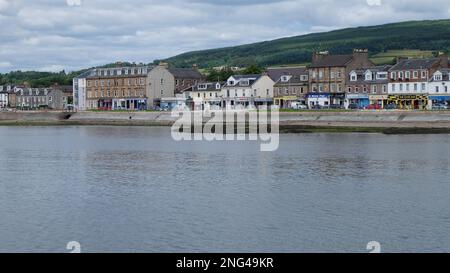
<point x="409" y="81"/>
<point x="242" y="91"/>
<point x="438" y="88"/>
<point x="4" y="99"/>
<point x="203" y="96"/>
<point x="79" y="91"/>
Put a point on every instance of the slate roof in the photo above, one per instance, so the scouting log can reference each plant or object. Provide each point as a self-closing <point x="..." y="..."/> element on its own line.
<point x="276" y="73"/>
<point x="445" y="74"/>
<point x="411" y="64"/>
<point x="210" y="86"/>
<point x="332" y="61"/>
<point x="185" y="73"/>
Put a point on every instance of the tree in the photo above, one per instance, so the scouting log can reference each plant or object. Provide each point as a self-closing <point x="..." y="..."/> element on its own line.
<point x="253" y="69"/>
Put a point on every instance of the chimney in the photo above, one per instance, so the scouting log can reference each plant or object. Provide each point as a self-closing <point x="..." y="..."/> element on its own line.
<point x="317" y="56"/>
<point x="361" y="53"/>
<point x="443" y="57"/>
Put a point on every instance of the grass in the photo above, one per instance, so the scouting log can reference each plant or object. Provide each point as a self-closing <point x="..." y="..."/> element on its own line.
<point x="389" y="57"/>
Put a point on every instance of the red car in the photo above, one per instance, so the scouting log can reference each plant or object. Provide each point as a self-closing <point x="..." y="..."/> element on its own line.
<point x="374" y="107"/>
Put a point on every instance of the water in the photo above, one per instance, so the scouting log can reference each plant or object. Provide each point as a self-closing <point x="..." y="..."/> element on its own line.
<point x="133" y="189"/>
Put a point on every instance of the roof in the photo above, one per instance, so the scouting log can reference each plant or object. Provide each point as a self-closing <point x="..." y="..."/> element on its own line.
<point x="276" y="72"/>
<point x="445" y="74"/>
<point x="295" y="79"/>
<point x="85" y="74"/>
<point x="186" y="73"/>
<point x="252" y="78"/>
<point x="210" y="86"/>
<point x="409" y="64"/>
<point x="332" y="61"/>
<point x="362" y="72"/>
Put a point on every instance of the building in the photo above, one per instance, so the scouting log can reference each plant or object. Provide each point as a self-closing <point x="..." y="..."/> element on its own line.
<point x="121" y="88"/>
<point x="242" y="91"/>
<point x="166" y="82"/>
<point x="203" y="96"/>
<point x="328" y="76"/>
<point x="408" y="81"/>
<point x="438" y="88"/>
<point x="32" y="98"/>
<point x="60" y="98"/>
<point x="79" y="91"/>
<point x="368" y="87"/>
<point x="291" y="85"/>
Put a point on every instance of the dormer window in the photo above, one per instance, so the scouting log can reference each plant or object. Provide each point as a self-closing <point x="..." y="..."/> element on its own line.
<point x="353" y="77"/>
<point x="438" y="76"/>
<point x="217" y="85"/>
<point x="230" y="82"/>
<point x="382" y="76"/>
<point x="368" y="76"/>
<point x="285" y="78"/>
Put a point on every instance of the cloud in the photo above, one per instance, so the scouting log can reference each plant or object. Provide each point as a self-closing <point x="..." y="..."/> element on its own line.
<point x="62" y="34"/>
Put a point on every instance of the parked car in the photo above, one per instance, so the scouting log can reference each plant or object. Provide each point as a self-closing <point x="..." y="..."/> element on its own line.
<point x="336" y="106"/>
<point x="298" y="106"/>
<point x="440" y="107"/>
<point x="374" y="107"/>
<point x="391" y="106"/>
<point x="353" y="106"/>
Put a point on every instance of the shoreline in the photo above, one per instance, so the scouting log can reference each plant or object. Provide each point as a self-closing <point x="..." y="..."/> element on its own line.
<point x="385" y="122"/>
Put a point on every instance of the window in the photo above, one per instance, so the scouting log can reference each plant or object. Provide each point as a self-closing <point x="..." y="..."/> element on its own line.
<point x="415" y="74"/>
<point x="407" y="75"/>
<point x="384" y="89"/>
<point x="437" y="89"/>
<point x="400" y="75"/>
<point x="393" y="75"/>
<point x="374" y="89"/>
<point x="368" y="76"/>
<point x="438" y="77"/>
<point x="353" y="77"/>
<point x="320" y="74"/>
<point x="162" y="81"/>
<point x="446" y="89"/>
<point x="416" y="87"/>
<point x="423" y="87"/>
<point x="424" y="74"/>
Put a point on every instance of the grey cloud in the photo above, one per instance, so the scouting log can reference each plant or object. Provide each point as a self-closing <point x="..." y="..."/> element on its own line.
<point x="50" y="34"/>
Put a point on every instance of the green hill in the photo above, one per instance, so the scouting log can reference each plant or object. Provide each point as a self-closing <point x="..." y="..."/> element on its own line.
<point x="419" y="35"/>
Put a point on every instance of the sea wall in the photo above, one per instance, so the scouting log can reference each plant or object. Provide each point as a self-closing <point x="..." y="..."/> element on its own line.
<point x="294" y="121"/>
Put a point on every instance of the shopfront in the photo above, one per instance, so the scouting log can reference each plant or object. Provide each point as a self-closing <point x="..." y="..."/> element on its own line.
<point x="381" y="100"/>
<point x="321" y="100"/>
<point x="440" y="100"/>
<point x="285" y="102"/>
<point x="104" y="104"/>
<point x="362" y="100"/>
<point x="409" y="102"/>
<point x="337" y="99"/>
<point x="129" y="104"/>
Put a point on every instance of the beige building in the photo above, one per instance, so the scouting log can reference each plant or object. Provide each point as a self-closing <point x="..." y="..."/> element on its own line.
<point x="122" y="88"/>
<point x="167" y="82"/>
<point x="291" y="85"/>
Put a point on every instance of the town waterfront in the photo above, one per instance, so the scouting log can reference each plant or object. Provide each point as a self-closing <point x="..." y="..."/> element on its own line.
<point x="134" y="189"/>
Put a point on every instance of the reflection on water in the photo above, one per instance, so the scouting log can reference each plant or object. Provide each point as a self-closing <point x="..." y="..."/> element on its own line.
<point x="133" y="189"/>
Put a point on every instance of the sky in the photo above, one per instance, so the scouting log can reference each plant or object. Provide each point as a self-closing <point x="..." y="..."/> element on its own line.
<point x="52" y="35"/>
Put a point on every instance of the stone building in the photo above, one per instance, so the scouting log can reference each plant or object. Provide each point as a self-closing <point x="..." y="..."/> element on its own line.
<point x="291" y="85"/>
<point x="122" y="88"/>
<point x="328" y="76"/>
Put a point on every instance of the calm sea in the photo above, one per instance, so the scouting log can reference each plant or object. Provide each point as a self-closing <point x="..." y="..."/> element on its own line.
<point x="134" y="189"/>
